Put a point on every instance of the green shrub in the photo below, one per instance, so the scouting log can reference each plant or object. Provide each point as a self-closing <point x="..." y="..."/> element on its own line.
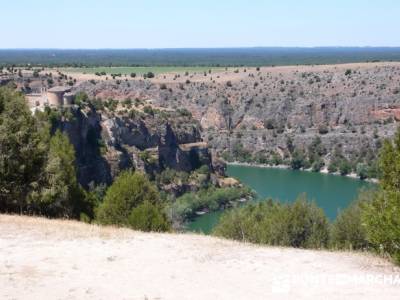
<point x="300" y="224"/>
<point x="348" y="231"/>
<point x="317" y="165"/>
<point x="298" y="160"/>
<point x="148" y="217"/>
<point x="211" y="199"/>
<point x="381" y="215"/>
<point x="128" y="191"/>
<point x="344" y="167"/>
<point x="382" y="220"/>
<point x="323" y="129"/>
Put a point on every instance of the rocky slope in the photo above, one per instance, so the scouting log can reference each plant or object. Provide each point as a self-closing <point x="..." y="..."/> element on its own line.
<point x="350" y="107"/>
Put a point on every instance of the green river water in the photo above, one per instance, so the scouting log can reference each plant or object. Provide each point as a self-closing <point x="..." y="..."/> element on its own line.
<point x="330" y="192"/>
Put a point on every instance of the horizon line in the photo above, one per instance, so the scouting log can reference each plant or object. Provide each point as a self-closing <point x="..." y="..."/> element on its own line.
<point x="210" y="48"/>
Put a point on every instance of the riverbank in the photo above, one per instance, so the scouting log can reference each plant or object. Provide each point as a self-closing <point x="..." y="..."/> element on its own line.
<point x="286" y="167"/>
<point x="54" y="259"/>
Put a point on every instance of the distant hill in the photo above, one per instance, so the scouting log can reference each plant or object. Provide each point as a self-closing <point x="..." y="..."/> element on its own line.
<point x="197" y="57"/>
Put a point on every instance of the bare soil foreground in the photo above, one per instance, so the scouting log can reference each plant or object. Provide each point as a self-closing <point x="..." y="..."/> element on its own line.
<point x="48" y="259"/>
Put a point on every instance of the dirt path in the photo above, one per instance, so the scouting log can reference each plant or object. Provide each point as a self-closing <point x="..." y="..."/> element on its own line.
<point x="42" y="259"/>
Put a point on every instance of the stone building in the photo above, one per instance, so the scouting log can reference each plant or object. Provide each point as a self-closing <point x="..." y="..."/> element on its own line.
<point x="55" y="97"/>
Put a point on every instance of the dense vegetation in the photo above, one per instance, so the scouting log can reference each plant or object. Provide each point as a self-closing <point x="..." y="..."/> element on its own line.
<point x="134" y="202"/>
<point x="372" y="222"/>
<point x="208" y="199"/>
<point x="196" y="57"/>
<point x="37" y="170"/>
<point x="301" y="224"/>
<point x="38" y="176"/>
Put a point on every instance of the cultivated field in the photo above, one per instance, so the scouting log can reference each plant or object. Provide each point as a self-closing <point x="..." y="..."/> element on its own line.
<point x="43" y="259"/>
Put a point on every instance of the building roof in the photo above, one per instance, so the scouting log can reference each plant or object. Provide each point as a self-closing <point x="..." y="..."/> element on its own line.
<point x="59" y="89"/>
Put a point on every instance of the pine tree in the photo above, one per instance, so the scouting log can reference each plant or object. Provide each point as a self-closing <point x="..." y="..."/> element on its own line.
<point x="62" y="195"/>
<point x="23" y="147"/>
<point x="381" y="216"/>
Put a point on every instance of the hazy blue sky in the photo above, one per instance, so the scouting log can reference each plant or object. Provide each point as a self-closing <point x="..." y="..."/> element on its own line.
<point x="203" y="23"/>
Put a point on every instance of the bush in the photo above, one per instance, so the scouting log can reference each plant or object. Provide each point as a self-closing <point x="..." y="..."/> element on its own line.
<point x="323" y="129"/>
<point x="148" y="217"/>
<point x="300" y="224"/>
<point x="362" y="171"/>
<point x="317" y="165"/>
<point x="347" y="231"/>
<point x="382" y="222"/>
<point x="344" y="167"/>
<point x="211" y="199"/>
<point x="298" y="160"/>
<point x="381" y="215"/>
<point x="149" y="75"/>
<point x="128" y="191"/>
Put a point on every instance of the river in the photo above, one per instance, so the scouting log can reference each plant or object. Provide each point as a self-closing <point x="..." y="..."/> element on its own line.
<point x="330" y="192"/>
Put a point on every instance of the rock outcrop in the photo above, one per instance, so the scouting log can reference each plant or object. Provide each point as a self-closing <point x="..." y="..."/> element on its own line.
<point x="106" y="143"/>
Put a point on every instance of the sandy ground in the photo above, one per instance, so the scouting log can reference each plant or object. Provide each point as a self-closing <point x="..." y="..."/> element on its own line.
<point x="42" y="259"/>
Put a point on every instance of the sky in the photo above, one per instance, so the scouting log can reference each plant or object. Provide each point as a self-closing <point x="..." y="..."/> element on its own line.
<point x="198" y="24"/>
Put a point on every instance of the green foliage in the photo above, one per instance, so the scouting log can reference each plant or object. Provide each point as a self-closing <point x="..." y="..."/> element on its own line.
<point x="381" y="215"/>
<point x="382" y="220"/>
<point x="317" y="165"/>
<point x="61" y="194"/>
<point x="300" y="224"/>
<point x="81" y="98"/>
<point x="389" y="164"/>
<point x="344" y="167"/>
<point x="323" y="129"/>
<point x="348" y="231"/>
<point x="148" y="217"/>
<point x="211" y="199"/>
<point x="298" y="160"/>
<point x="169" y="176"/>
<point x="241" y="154"/>
<point x="37" y="173"/>
<point x="129" y="191"/>
<point x="362" y="171"/>
<point x="23" y="148"/>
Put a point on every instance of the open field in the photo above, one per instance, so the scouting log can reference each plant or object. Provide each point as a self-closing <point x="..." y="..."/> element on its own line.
<point x="140" y="70"/>
<point x="54" y="259"/>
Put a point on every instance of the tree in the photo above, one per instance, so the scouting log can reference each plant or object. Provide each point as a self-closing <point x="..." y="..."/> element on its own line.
<point x="381" y="216"/>
<point x="22" y="152"/>
<point x="62" y="196"/>
<point x="300" y="224"/>
<point x="348" y="231"/>
<point x="298" y="160"/>
<point x="344" y="167"/>
<point x="129" y="191"/>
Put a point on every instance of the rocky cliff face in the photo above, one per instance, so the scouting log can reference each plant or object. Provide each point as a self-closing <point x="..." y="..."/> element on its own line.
<point x="353" y="106"/>
<point x="107" y="143"/>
